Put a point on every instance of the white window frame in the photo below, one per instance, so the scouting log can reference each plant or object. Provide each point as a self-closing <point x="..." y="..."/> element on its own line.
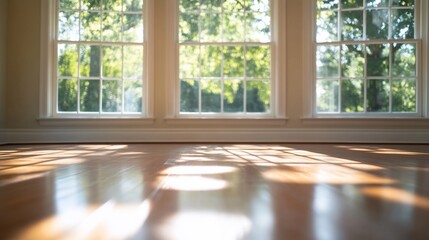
<point x="278" y="66"/>
<point x="309" y="66"/>
<point x="48" y="66"/>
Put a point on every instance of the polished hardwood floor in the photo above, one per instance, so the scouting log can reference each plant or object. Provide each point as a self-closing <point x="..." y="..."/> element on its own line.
<point x="214" y="191"/>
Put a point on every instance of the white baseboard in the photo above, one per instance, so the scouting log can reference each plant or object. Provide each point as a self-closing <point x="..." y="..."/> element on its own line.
<point x="215" y="135"/>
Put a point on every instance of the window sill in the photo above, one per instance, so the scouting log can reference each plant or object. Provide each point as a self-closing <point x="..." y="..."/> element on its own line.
<point x="237" y="121"/>
<point x="96" y="121"/>
<point x="367" y="121"/>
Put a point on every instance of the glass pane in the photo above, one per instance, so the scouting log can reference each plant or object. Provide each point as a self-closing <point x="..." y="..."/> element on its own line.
<point x="90" y="4"/>
<point x="352" y="95"/>
<point x="90" y="26"/>
<point x="351" y="3"/>
<point x="352" y="61"/>
<point x="233" y="5"/>
<point x="258" y="62"/>
<point x="377" y="3"/>
<point x="189" y="96"/>
<point x="233" y="96"/>
<point x="328" y="61"/>
<point x="89" y="61"/>
<point x="403" y="23"/>
<point x="189" y="5"/>
<point x="133" y="28"/>
<point x="233" y="61"/>
<point x="377" y="60"/>
<point x="68" y="25"/>
<point x="404" y="95"/>
<point x="327" y="26"/>
<point x="352" y="28"/>
<point x="211" y="5"/>
<point x="113" y="5"/>
<point x="67" y="95"/>
<point x="89" y="95"/>
<point x="112" y="96"/>
<point x="377" y="24"/>
<point x="327" y="4"/>
<point x="112" y="62"/>
<point x="189" y="63"/>
<point x="258" y="5"/>
<point x="188" y="28"/>
<point x="327" y="96"/>
<point x="258" y="27"/>
<point x="233" y="27"/>
<point x="211" y="61"/>
<point x="210" y="24"/>
<point x="67" y="60"/>
<point x="404" y="60"/>
<point x="133" y="96"/>
<point x="111" y="27"/>
<point x="133" y="5"/>
<point x="378" y="96"/>
<point x="258" y="96"/>
<point x="133" y="62"/>
<point x="403" y="3"/>
<point x="69" y="4"/>
<point x="211" y="95"/>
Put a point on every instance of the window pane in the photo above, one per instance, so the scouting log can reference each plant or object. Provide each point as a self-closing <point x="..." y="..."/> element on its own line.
<point x="327" y="4"/>
<point x="233" y="61"/>
<point x="377" y="60"/>
<point x="403" y="3"/>
<point x="327" y="26"/>
<point x="377" y="3"/>
<point x="352" y="61"/>
<point x="234" y="5"/>
<point x="327" y="95"/>
<point x="114" y="5"/>
<point x="133" y="28"/>
<point x="378" y="96"/>
<point x="112" y="62"/>
<point x="67" y="95"/>
<point x="328" y="61"/>
<point x="351" y="3"/>
<point x="68" y="25"/>
<point x="89" y="61"/>
<point x="258" y="5"/>
<point x="69" y="4"/>
<point x="258" y="27"/>
<point x="233" y="27"/>
<point x="233" y="96"/>
<point x="89" y="95"/>
<point x="133" y="62"/>
<point x="404" y="95"/>
<point x="404" y="60"/>
<point x="403" y="23"/>
<point x="189" y="5"/>
<point x="211" y="95"/>
<point x="112" y="96"/>
<point x="352" y="25"/>
<point x="211" y="61"/>
<point x="210" y="24"/>
<point x="352" y="95"/>
<point x="377" y="24"/>
<point x="188" y="28"/>
<point x="258" y="62"/>
<point x="90" y="4"/>
<point x="189" y="96"/>
<point x="67" y="60"/>
<point x="133" y="5"/>
<point x="258" y="96"/>
<point x="90" y="29"/>
<point x="111" y="26"/>
<point x="211" y="5"/>
<point x="133" y="95"/>
<point x="189" y="63"/>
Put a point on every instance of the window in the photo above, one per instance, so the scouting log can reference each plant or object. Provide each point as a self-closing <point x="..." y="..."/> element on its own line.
<point x="367" y="57"/>
<point x="100" y="56"/>
<point x="225" y="55"/>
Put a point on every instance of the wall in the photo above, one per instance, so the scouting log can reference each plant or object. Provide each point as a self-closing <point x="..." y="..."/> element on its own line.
<point x="3" y="77"/>
<point x="23" y="98"/>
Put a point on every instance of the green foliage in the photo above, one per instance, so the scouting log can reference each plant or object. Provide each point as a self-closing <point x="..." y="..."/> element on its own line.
<point x="378" y="96"/>
<point x="352" y="25"/>
<point x="233" y="96"/>
<point x="67" y="60"/>
<point x="89" y="95"/>
<point x="211" y="95"/>
<point x="112" y="96"/>
<point x="327" y="95"/>
<point x="352" y="95"/>
<point x="351" y="3"/>
<point x="328" y="61"/>
<point x="67" y="95"/>
<point x="189" y="96"/>
<point x="352" y="61"/>
<point x="404" y="95"/>
<point x="112" y="61"/>
<point x="377" y="60"/>
<point x="258" y="62"/>
<point x="327" y="4"/>
<point x="327" y="26"/>
<point x="258" y="96"/>
<point x="133" y="95"/>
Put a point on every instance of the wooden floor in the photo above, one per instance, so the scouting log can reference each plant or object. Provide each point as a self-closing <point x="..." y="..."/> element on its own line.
<point x="204" y="191"/>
